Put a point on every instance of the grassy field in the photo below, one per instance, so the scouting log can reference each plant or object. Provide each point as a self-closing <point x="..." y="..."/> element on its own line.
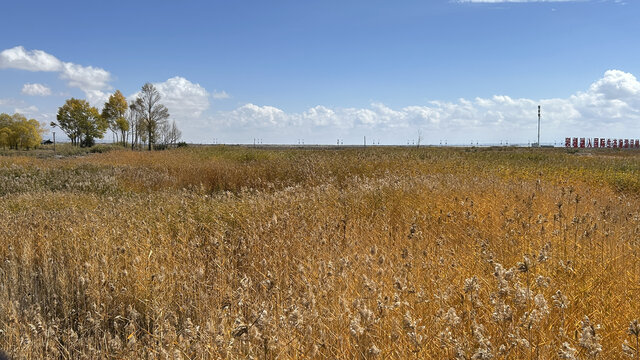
<point x="234" y="252"/>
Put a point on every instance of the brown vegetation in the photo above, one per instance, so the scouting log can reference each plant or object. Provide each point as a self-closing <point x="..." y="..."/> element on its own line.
<point x="360" y="253"/>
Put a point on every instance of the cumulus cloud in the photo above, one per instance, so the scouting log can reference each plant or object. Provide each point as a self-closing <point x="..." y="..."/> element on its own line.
<point x="182" y="97"/>
<point x="85" y="77"/>
<point x="34" y="60"/>
<point x="255" y="116"/>
<point x="322" y="116"/>
<point x="608" y="105"/>
<point x="185" y="100"/>
<point x="91" y="80"/>
<point x="97" y="97"/>
<point x="617" y="85"/>
<point x="36" y="90"/>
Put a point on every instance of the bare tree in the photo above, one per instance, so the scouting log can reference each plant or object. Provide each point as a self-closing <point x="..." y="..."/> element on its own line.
<point x="139" y="135"/>
<point x="170" y="134"/>
<point x="133" y="115"/>
<point x="154" y="114"/>
<point x="174" y="133"/>
<point x="164" y="134"/>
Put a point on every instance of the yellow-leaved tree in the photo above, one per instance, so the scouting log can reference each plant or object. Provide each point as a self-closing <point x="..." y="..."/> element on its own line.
<point x="18" y="132"/>
<point x="113" y="113"/>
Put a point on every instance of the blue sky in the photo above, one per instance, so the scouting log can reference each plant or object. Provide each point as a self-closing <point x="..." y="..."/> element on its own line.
<point x="322" y="70"/>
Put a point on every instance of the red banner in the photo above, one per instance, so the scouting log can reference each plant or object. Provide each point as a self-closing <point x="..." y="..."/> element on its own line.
<point x="601" y="143"/>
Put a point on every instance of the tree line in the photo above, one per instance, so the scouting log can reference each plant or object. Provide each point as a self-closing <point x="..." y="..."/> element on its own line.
<point x="143" y="122"/>
<point x="18" y="132"/>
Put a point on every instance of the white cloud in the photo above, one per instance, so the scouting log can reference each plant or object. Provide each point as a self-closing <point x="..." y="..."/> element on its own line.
<point x="617" y="84"/>
<point x="97" y="97"/>
<point x="89" y="79"/>
<point x="34" y="60"/>
<point x="322" y="116"/>
<point x="183" y="98"/>
<point x="36" y="90"/>
<point x="85" y="77"/>
<point x="610" y="105"/>
<point x="255" y="116"/>
<point x="218" y="95"/>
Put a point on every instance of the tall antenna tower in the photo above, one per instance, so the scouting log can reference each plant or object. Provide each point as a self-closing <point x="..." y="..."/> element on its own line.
<point x="538" y="125"/>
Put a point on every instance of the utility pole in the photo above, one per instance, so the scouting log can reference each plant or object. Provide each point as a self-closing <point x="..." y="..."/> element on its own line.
<point x="538" y="125"/>
<point x="365" y="141"/>
<point x="54" y="141"/>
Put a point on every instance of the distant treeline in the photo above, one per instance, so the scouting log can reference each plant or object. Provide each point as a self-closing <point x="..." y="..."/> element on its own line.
<point x="143" y="122"/>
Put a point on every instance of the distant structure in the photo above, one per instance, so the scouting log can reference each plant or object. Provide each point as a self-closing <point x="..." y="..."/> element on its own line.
<point x="538" y="126"/>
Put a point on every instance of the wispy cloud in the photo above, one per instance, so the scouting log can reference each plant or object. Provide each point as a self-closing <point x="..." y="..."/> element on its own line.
<point x="29" y="111"/>
<point x="218" y="95"/>
<point x="36" y="90"/>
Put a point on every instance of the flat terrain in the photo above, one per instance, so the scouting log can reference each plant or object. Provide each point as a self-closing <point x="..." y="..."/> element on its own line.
<point x="234" y="252"/>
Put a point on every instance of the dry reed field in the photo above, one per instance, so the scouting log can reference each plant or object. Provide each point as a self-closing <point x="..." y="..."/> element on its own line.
<point x="390" y="253"/>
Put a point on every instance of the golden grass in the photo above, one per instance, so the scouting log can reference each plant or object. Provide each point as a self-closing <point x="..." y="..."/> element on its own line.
<point x="360" y="253"/>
